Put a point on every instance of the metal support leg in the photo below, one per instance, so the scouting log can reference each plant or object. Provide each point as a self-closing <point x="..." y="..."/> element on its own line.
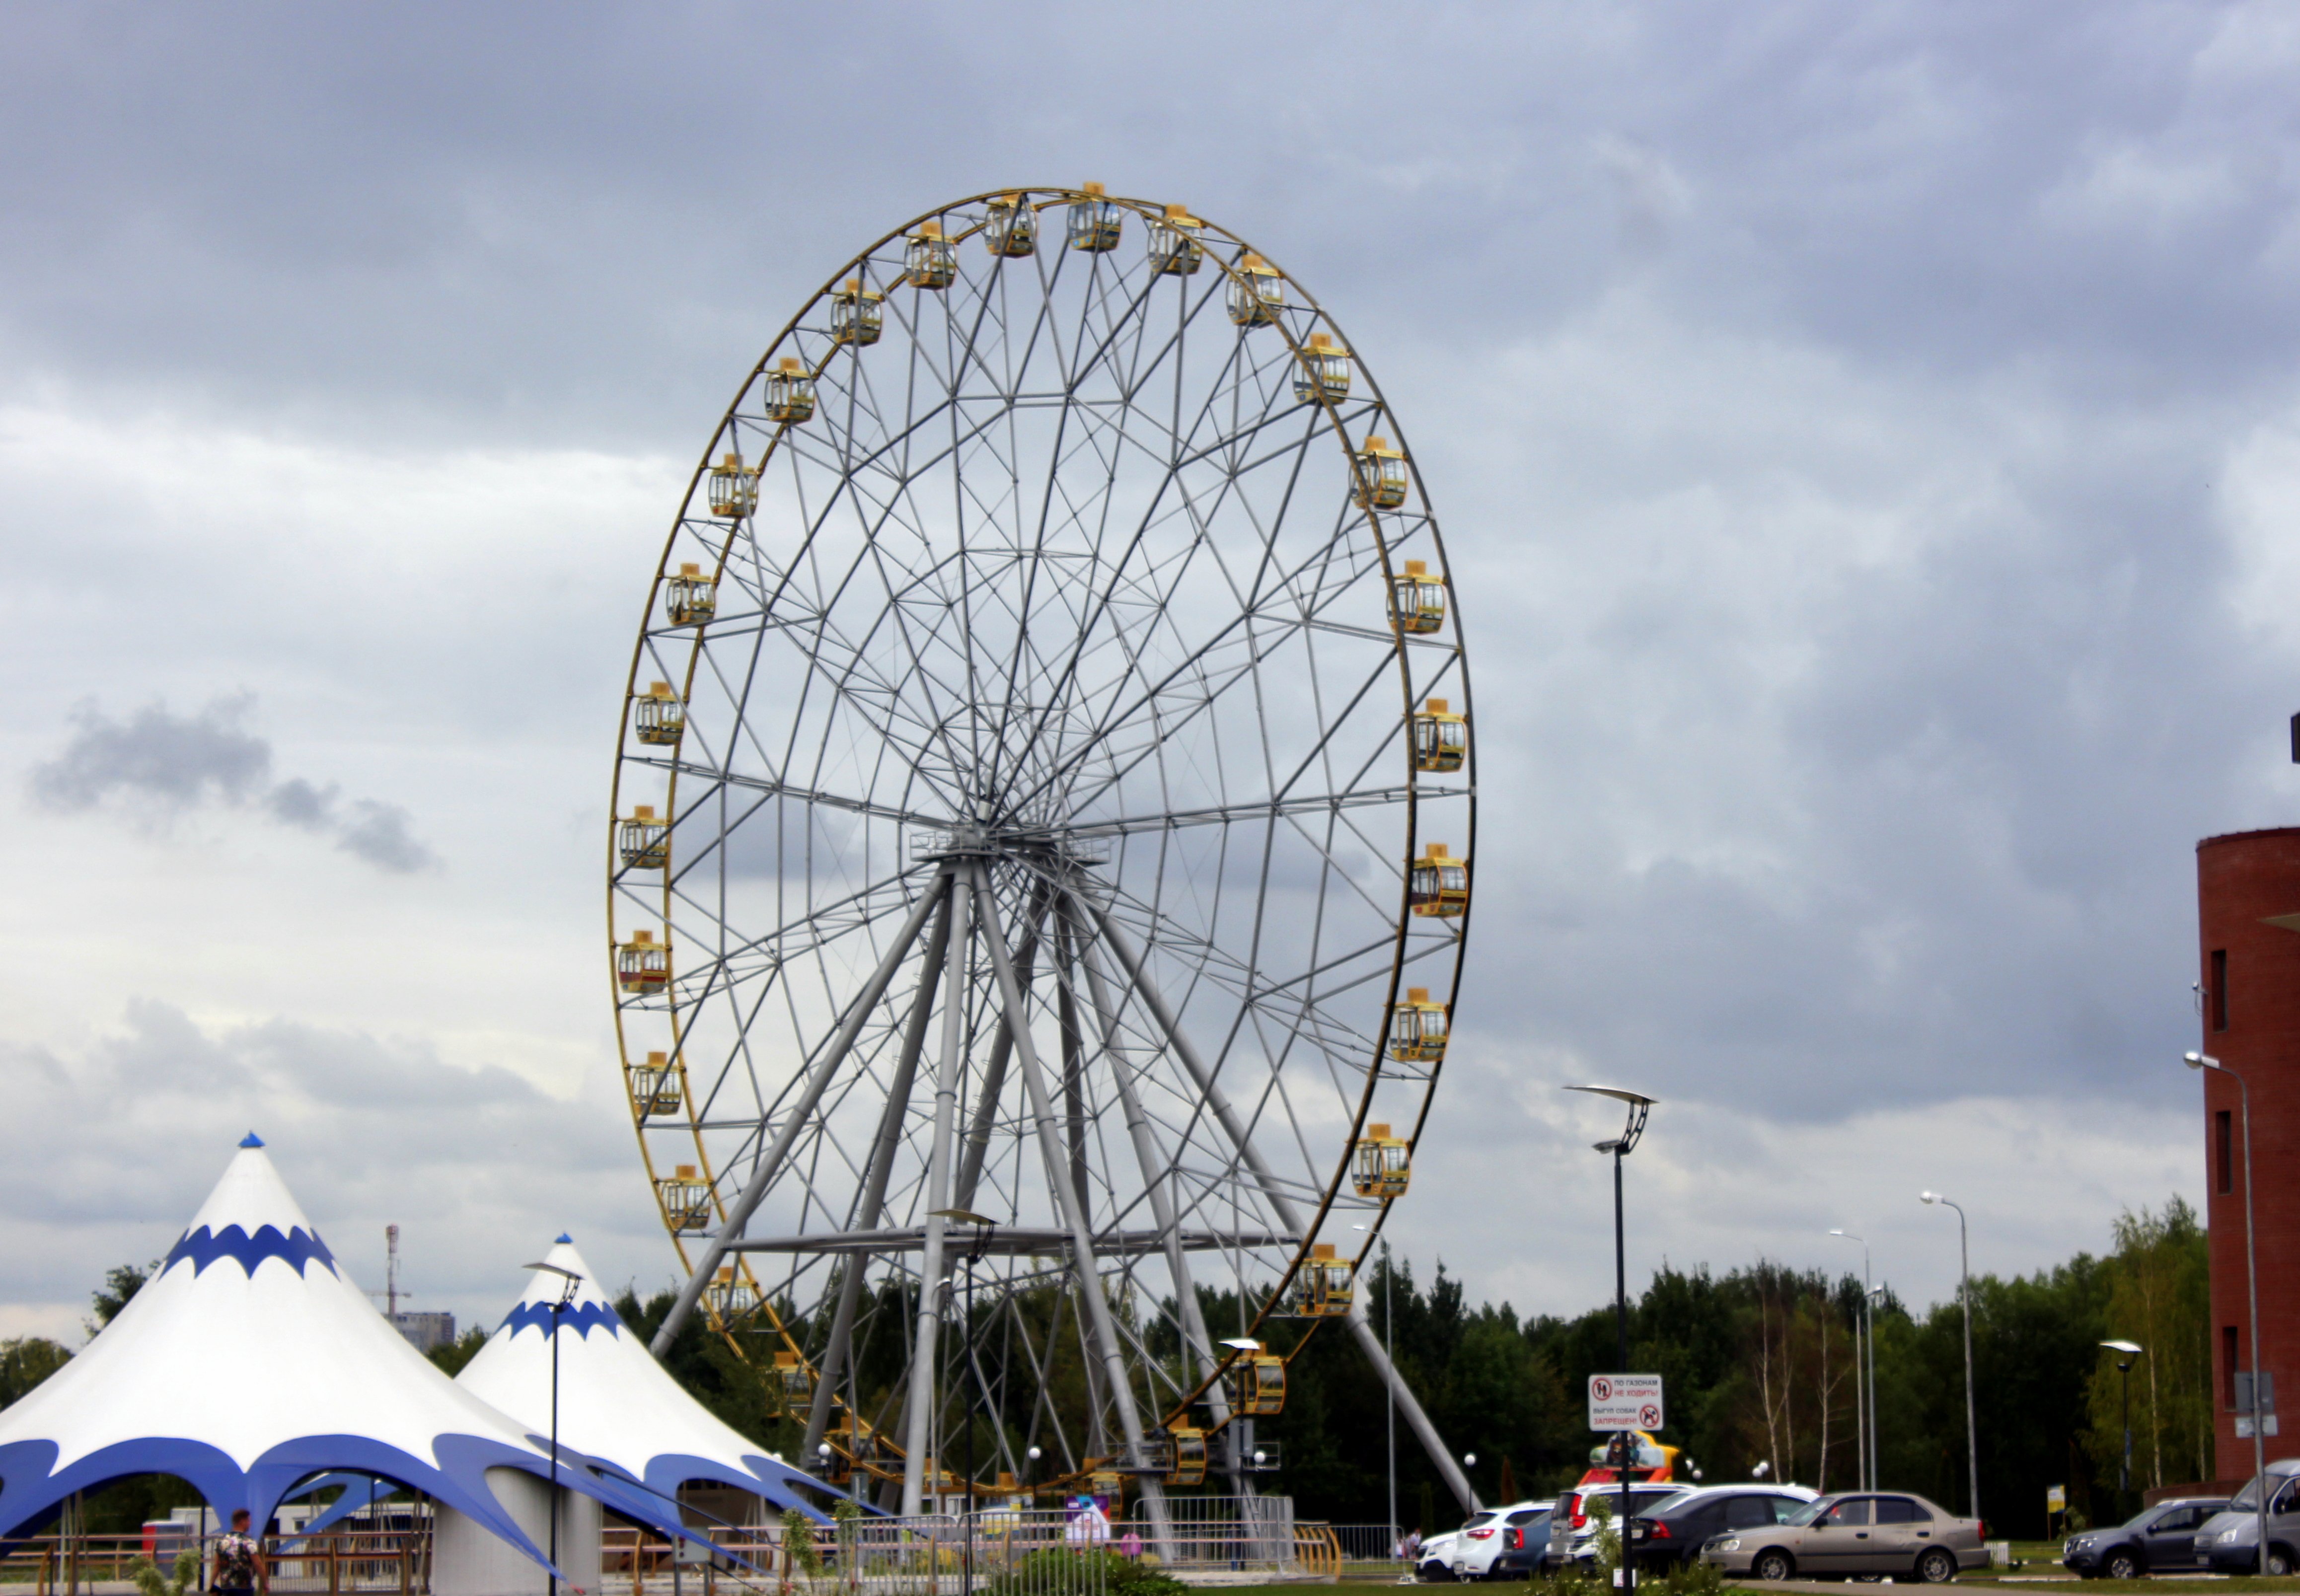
<point x="920" y="1417"/>
<point x="1416" y="1420"/>
<point x="1072" y="1204"/>
<point x="1157" y="1175"/>
<point x="993" y="1073"/>
<point x="874" y="1186"/>
<point x="795" y="1123"/>
<point x="1287" y="1214"/>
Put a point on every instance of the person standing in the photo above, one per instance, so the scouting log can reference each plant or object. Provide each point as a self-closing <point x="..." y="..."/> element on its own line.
<point x="239" y="1569"/>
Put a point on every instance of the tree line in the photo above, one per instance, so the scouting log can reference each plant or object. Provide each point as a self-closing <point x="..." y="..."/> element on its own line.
<point x="1759" y="1366"/>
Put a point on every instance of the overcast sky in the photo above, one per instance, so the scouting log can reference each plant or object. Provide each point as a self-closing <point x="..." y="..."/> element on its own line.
<point x="1866" y="437"/>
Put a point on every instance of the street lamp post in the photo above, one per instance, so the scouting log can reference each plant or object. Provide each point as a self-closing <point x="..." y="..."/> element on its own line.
<point x="1389" y="1345"/>
<point x="2126" y="1352"/>
<point x="2252" y="1295"/>
<point x="1865" y="1402"/>
<point x="984" y="1227"/>
<point x="569" y="1280"/>
<point x="1639" y="1106"/>
<point x="1971" y="1420"/>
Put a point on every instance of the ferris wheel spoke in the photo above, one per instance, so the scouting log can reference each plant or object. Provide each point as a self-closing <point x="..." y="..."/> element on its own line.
<point x="818" y="1080"/>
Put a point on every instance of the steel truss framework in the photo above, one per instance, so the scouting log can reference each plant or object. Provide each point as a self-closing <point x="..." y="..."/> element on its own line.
<point x="1035" y="830"/>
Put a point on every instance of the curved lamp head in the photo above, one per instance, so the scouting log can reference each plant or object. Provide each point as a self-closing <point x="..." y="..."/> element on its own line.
<point x="1929" y="1197"/>
<point x="2200" y="1062"/>
<point x="1639" y="1106"/>
<point x="569" y="1280"/>
<point x="2125" y="1350"/>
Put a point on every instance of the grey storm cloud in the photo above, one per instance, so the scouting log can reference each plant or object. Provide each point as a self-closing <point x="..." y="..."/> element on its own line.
<point x="171" y="764"/>
<point x="367" y="1129"/>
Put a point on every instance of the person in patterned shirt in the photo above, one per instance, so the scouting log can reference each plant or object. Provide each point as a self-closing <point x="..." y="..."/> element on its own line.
<point x="239" y="1568"/>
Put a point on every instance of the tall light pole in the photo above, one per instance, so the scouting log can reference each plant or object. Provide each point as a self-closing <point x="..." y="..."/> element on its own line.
<point x="1621" y="1146"/>
<point x="2126" y="1352"/>
<point x="984" y="1227"/>
<point x="1869" y="1328"/>
<point x="1964" y="1271"/>
<point x="1389" y="1413"/>
<point x="569" y="1280"/>
<point x="2252" y="1294"/>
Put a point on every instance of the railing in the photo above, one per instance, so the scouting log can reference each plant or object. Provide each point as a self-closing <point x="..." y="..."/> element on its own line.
<point x="336" y="1562"/>
<point x="1367" y="1542"/>
<point x="1010" y="1553"/>
<point x="1235" y="1532"/>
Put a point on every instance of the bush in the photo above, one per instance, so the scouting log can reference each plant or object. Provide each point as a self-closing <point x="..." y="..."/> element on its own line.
<point x="148" y="1580"/>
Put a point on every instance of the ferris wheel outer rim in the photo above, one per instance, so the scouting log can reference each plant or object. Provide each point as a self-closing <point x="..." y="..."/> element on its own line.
<point x="1055" y="197"/>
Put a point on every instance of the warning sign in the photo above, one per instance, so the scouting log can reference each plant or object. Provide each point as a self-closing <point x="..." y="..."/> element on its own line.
<point x="1625" y="1403"/>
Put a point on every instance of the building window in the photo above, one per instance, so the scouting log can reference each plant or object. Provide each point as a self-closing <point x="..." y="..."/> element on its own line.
<point x="2223" y="1154"/>
<point x="2220" y="989"/>
<point x="2228" y="1367"/>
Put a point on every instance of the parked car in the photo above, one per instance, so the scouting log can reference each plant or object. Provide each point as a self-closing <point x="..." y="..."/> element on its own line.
<point x="1521" y="1551"/>
<point x="1436" y="1561"/>
<point x="1469" y="1552"/>
<point x="1573" y="1525"/>
<point x="2229" y="1541"/>
<point x="1673" y="1531"/>
<point x="1832" y="1537"/>
<point x="2162" y="1537"/>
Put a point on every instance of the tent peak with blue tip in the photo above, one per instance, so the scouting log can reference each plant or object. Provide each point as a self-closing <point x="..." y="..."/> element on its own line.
<point x="617" y="1405"/>
<point x="249" y="1363"/>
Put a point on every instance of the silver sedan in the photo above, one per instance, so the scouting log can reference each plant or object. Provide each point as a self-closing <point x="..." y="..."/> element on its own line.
<point x="1904" y="1535"/>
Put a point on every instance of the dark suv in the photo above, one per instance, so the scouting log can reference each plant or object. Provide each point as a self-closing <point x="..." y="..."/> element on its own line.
<point x="2161" y="1537"/>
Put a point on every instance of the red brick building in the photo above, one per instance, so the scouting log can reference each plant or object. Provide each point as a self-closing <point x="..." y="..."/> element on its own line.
<point x="2248" y="915"/>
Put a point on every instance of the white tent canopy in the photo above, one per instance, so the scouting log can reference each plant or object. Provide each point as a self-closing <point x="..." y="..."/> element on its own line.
<point x="617" y="1405"/>
<point x="248" y="1364"/>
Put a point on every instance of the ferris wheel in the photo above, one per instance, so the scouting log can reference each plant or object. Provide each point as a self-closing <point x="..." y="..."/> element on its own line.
<point x="1041" y="844"/>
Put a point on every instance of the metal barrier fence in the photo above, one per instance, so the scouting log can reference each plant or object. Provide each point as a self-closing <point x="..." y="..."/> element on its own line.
<point x="1233" y="1532"/>
<point x="1010" y="1553"/>
<point x="1367" y="1543"/>
<point x="337" y="1562"/>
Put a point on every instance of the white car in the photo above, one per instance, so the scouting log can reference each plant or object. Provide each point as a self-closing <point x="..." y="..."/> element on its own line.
<point x="1520" y="1529"/>
<point x="1442" y="1554"/>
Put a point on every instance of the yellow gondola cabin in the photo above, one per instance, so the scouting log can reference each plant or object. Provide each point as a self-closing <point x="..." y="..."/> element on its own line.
<point x="930" y="260"/>
<point x="734" y="488"/>
<point x="1380" y="482"/>
<point x="1441" y="739"/>
<point x="1418" y="598"/>
<point x="1256" y="293"/>
<point x="690" y="598"/>
<point x="1095" y="222"/>
<point x="642" y="965"/>
<point x="685" y="1199"/>
<point x="1174" y="247"/>
<point x="856" y="313"/>
<point x="1439" y="884"/>
<point x="791" y="392"/>
<point x="1324" y="372"/>
<point x="1417" y="1028"/>
<point x="655" y="1086"/>
<point x="644" y="839"/>
<point x="1010" y="227"/>
<point x="659" y="716"/>
<point x="1382" y="1164"/>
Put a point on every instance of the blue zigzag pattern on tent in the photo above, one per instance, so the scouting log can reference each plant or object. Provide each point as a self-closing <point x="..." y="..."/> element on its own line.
<point x="581" y="1317"/>
<point x="203" y="1247"/>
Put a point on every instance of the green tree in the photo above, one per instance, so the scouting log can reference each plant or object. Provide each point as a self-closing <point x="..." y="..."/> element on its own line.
<point x="26" y="1360"/>
<point x="119" y="1284"/>
<point x="451" y="1357"/>
<point x="2159" y="1294"/>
